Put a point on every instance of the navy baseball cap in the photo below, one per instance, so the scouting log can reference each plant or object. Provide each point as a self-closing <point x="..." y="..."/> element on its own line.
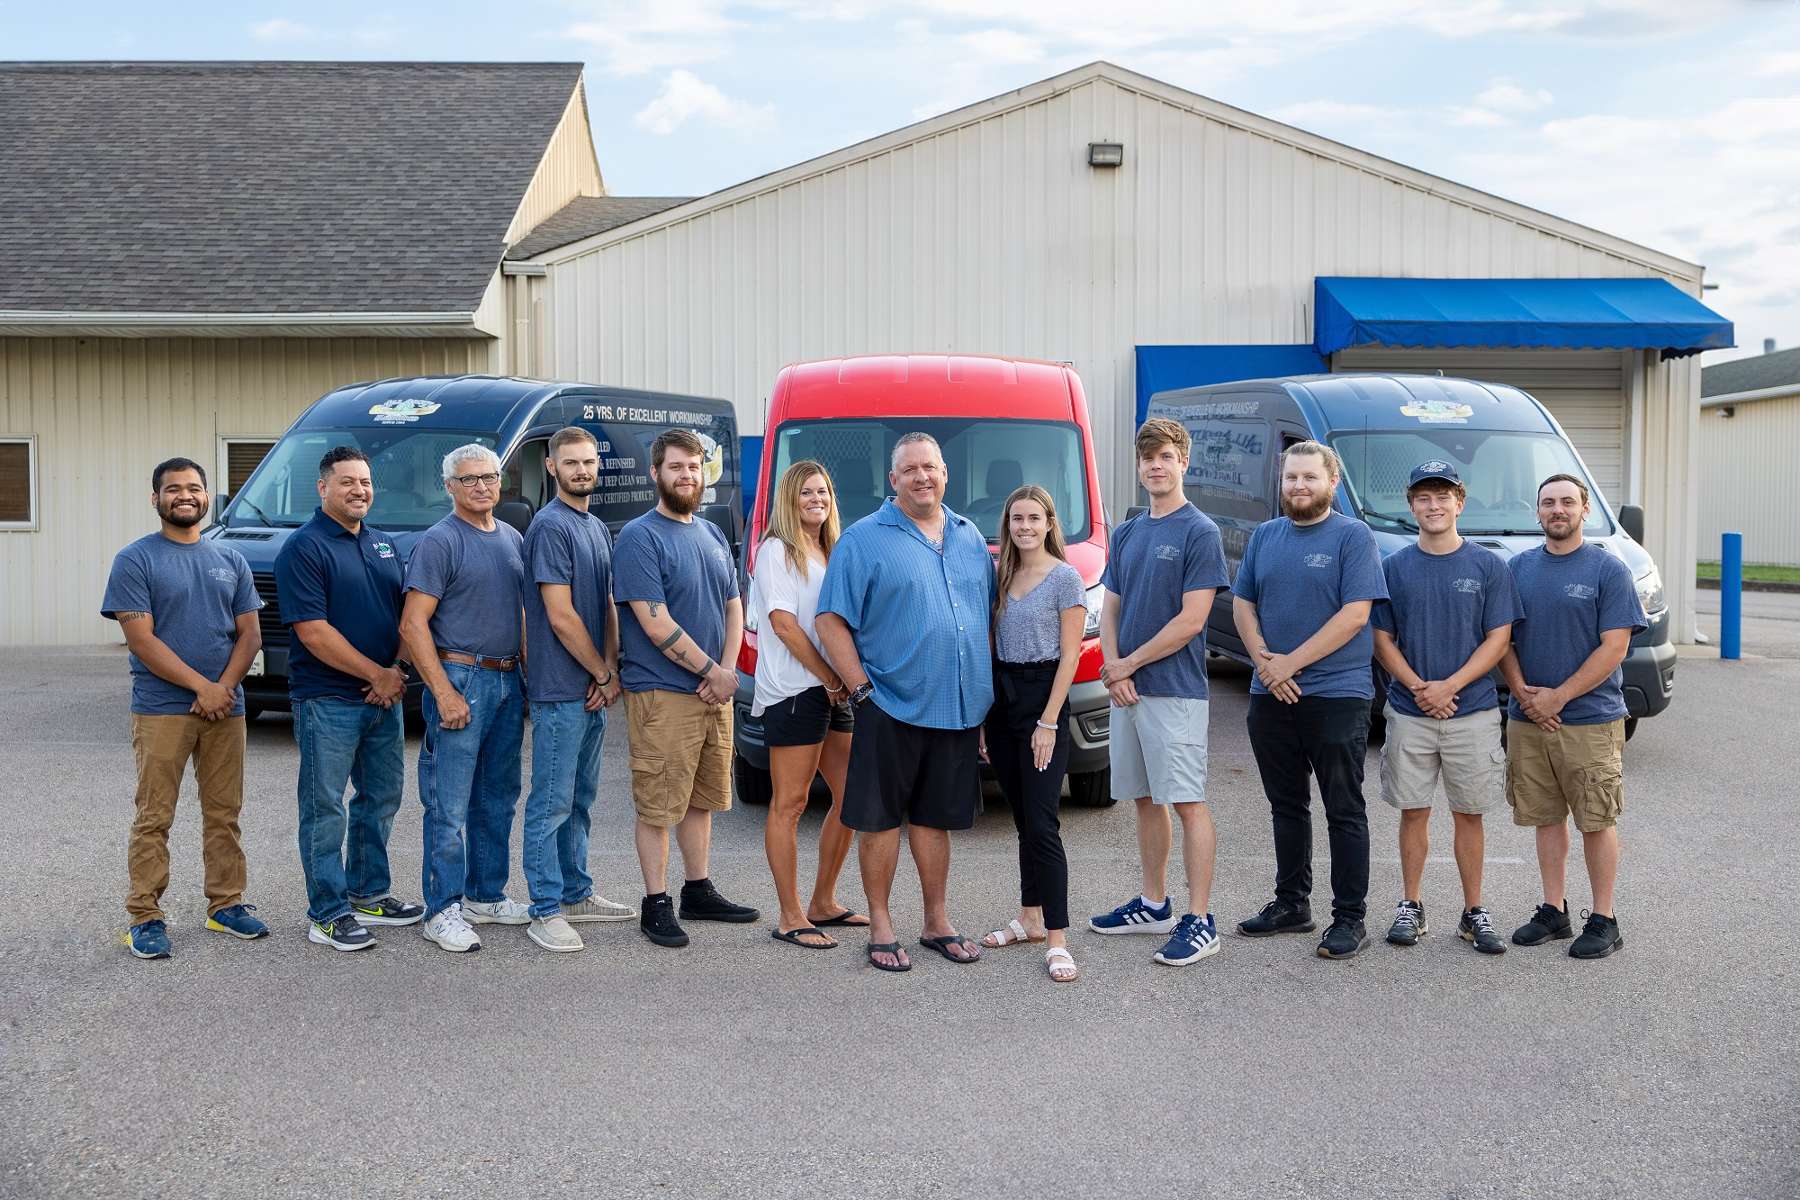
<point x="1437" y="468"/>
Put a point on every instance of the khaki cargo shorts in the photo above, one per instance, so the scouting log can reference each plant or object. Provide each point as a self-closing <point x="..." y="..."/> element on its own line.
<point x="1578" y="771"/>
<point x="680" y="755"/>
<point x="1464" y="752"/>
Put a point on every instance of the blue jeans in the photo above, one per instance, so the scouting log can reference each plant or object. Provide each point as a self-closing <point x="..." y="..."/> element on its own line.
<point x="469" y="784"/>
<point x="364" y="745"/>
<point x="565" y="777"/>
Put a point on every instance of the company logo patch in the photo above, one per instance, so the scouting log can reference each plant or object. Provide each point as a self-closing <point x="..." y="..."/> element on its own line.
<point x="1436" y="464"/>
<point x="1470" y="587"/>
<point x="222" y="574"/>
<point x="399" y="412"/>
<point x="384" y="549"/>
<point x="1167" y="553"/>
<point x="1580" y="591"/>
<point x="1318" y="560"/>
<point x="1437" y="412"/>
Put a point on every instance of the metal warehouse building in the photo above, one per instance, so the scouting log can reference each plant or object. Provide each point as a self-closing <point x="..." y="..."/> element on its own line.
<point x="1744" y="470"/>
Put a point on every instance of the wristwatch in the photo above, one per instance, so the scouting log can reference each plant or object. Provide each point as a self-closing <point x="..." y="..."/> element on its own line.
<point x="861" y="693"/>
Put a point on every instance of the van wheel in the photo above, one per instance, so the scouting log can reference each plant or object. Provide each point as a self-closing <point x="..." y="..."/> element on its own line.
<point x="752" y="786"/>
<point x="1630" y="727"/>
<point x="1092" y="789"/>
<point x="253" y="711"/>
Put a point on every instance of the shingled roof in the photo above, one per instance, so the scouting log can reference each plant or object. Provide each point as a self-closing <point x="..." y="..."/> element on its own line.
<point x="1751" y="374"/>
<point x="584" y="216"/>
<point x="265" y="187"/>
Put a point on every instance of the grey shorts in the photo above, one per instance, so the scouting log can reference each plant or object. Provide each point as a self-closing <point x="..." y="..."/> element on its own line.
<point x="1158" y="749"/>
<point x="1464" y="752"/>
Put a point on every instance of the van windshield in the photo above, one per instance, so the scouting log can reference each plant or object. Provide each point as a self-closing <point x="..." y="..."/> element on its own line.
<point x="405" y="463"/>
<point x="986" y="460"/>
<point x="1500" y="471"/>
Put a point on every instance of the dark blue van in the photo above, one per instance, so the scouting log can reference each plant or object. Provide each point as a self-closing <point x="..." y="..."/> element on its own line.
<point x="1503" y="442"/>
<point x="406" y="426"/>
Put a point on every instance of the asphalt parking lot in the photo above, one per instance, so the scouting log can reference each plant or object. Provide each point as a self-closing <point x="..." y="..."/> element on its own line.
<point x="740" y="1067"/>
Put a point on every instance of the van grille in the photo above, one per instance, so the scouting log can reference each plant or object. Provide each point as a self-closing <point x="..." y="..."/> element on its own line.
<point x="273" y="631"/>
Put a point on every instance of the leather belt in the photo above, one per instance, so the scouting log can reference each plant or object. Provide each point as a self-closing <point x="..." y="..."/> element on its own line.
<point x="476" y="660"/>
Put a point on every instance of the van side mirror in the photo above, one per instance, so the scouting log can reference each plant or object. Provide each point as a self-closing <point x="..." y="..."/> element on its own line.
<point x="729" y="521"/>
<point x="1136" y="510"/>
<point x="1631" y="520"/>
<point x="516" y="513"/>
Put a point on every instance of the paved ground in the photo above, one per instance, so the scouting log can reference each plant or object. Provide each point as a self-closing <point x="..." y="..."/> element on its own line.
<point x="740" y="1067"/>
<point x="1771" y="622"/>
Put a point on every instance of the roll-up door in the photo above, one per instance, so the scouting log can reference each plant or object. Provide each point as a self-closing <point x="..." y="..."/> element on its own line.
<point x="1583" y="389"/>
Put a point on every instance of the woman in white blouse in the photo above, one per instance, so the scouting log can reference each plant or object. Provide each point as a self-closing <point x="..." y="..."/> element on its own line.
<point x="804" y="708"/>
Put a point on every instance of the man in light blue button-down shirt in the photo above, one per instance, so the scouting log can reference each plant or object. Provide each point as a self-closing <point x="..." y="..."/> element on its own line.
<point x="903" y="617"/>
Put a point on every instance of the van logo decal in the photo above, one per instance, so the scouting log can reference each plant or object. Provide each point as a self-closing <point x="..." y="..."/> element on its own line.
<point x="1167" y="553"/>
<point x="399" y="412"/>
<point x="1469" y="587"/>
<point x="714" y="463"/>
<point x="1317" y="560"/>
<point x="1437" y="412"/>
<point x="1580" y="591"/>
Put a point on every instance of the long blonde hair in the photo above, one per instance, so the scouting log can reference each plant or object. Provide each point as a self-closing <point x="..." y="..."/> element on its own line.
<point x="784" y="515"/>
<point x="1009" y="553"/>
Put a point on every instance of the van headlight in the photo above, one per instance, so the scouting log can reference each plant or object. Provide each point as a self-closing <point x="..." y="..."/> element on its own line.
<point x="1095" y="596"/>
<point x="1650" y="592"/>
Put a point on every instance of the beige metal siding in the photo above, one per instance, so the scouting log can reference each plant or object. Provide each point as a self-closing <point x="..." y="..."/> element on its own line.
<point x="104" y="411"/>
<point x="1744" y="479"/>
<point x="567" y="170"/>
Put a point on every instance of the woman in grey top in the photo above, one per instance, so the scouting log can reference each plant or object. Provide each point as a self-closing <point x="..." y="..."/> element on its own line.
<point x="1038" y="618"/>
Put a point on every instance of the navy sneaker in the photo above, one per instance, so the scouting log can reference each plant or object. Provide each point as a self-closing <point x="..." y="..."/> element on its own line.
<point x="1278" y="916"/>
<point x="1409" y="924"/>
<point x="1134" y="916"/>
<point x="238" y="922"/>
<point x="388" y="910"/>
<point x="1192" y="941"/>
<point x="1344" y="939"/>
<point x="149" y="939"/>
<point x="340" y="933"/>
<point x="1477" y="928"/>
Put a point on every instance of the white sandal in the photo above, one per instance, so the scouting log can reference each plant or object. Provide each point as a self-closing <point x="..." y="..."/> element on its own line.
<point x="1061" y="965"/>
<point x="1013" y="934"/>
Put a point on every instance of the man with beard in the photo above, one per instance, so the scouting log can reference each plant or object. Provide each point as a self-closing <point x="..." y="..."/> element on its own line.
<point x="1301" y="604"/>
<point x="339" y="583"/>
<point x="571" y="680"/>
<point x="187" y="606"/>
<point x="462" y="624"/>
<point x="677" y="644"/>
<point x="1566" y="743"/>
<point x="903" y="618"/>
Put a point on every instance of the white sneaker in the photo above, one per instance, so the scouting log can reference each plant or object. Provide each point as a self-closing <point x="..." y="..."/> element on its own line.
<point x="598" y="908"/>
<point x="450" y="931"/>
<point x="556" y="935"/>
<point x="503" y="911"/>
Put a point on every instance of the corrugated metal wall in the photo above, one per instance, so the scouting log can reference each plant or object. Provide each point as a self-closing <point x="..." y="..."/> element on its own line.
<point x="1744" y="478"/>
<point x="568" y="169"/>
<point x="105" y="410"/>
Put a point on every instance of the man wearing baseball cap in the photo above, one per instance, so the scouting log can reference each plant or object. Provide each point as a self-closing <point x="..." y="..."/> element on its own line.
<point x="1445" y="626"/>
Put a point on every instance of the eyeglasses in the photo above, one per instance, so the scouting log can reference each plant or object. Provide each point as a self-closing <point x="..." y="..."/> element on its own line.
<point x="469" y="481"/>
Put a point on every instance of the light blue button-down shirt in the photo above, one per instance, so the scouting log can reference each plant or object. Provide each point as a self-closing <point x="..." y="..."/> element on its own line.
<point x="920" y="618"/>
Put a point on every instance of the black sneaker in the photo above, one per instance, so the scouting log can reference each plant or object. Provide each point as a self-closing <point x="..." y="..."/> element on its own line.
<point x="345" y="933"/>
<point x="1546" y="923"/>
<point x="656" y="917"/>
<point x="389" y="910"/>
<point x="1343" y="940"/>
<point x="1599" y="938"/>
<point x="1409" y="924"/>
<point x="1278" y="916"/>
<point x="1477" y="927"/>
<point x="700" y="901"/>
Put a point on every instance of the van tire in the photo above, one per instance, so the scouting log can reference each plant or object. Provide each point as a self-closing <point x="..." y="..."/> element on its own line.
<point x="253" y="711"/>
<point x="1092" y="789"/>
<point x="753" y="786"/>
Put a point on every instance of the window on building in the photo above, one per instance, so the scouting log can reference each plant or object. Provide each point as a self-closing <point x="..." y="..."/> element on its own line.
<point x="242" y="456"/>
<point x="18" y="483"/>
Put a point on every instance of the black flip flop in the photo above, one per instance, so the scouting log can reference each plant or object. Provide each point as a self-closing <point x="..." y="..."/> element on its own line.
<point x="843" y="918"/>
<point x="942" y="946"/>
<point x="792" y="937"/>
<point x="892" y="948"/>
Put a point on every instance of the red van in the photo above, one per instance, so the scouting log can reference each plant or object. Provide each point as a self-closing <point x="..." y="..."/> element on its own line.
<point x="1001" y="422"/>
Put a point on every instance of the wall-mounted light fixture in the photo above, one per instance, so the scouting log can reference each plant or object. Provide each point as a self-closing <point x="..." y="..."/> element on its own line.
<point x="1105" y="154"/>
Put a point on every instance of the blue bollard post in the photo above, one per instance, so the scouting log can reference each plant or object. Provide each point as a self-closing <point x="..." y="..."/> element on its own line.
<point x="1731" y="594"/>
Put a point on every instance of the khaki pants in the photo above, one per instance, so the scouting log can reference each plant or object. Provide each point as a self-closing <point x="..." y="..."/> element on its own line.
<point x="162" y="746"/>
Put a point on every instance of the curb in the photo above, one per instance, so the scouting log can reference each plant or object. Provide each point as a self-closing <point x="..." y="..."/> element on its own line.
<point x="1752" y="585"/>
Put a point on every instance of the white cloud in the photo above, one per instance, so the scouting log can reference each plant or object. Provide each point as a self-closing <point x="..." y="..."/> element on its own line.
<point x="1787" y="62"/>
<point x="1476" y="117"/>
<point x="653" y="35"/>
<point x="1002" y="46"/>
<point x="1503" y="95"/>
<point x="686" y="97"/>
<point x="280" y="29"/>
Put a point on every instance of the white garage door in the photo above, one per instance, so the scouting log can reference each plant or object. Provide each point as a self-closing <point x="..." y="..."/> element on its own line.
<point x="1583" y="389"/>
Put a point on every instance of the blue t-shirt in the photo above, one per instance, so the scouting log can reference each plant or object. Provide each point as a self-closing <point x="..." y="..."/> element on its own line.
<point x="1569" y="600"/>
<point x="686" y="567"/>
<point x="478" y="577"/>
<point x="352" y="582"/>
<point x="1152" y="561"/>
<point x="1299" y="576"/>
<point x="1440" y="607"/>
<point x="194" y="593"/>
<point x="568" y="546"/>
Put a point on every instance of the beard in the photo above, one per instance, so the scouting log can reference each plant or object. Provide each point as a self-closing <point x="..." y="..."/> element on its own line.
<point x="579" y="489"/>
<point x="184" y="519"/>
<point x="679" y="503"/>
<point x="1306" y="510"/>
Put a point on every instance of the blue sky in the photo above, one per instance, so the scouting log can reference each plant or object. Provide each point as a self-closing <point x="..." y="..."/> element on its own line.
<point x="1671" y="122"/>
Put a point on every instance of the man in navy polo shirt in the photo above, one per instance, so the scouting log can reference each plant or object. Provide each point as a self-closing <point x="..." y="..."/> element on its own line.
<point x="338" y="582"/>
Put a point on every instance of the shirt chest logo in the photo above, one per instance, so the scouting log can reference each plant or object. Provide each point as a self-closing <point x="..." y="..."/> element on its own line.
<point x="1318" y="561"/>
<point x="1580" y="591"/>
<point x="1167" y="553"/>
<point x="1468" y="587"/>
<point x="222" y="574"/>
<point x="384" y="549"/>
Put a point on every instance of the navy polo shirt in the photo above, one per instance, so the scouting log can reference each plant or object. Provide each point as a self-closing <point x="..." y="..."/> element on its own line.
<point x="351" y="581"/>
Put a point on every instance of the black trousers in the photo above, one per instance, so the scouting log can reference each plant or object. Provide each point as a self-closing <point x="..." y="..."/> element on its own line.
<point x="1325" y="738"/>
<point x="1020" y="692"/>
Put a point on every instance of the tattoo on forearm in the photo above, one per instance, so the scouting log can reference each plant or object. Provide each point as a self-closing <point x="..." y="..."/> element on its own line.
<point x="670" y="640"/>
<point x="681" y="656"/>
<point x="654" y="608"/>
<point x="123" y="617"/>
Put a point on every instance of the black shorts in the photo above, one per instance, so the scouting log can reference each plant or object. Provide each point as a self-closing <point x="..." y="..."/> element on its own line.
<point x="804" y="720"/>
<point x="908" y="773"/>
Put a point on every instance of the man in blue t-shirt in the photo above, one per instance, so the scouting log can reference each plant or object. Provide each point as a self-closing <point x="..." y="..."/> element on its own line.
<point x="187" y="606"/>
<point x="1566" y="745"/>
<point x="338" y="583"/>
<point x="462" y="624"/>
<point x="572" y="679"/>
<point x="1301" y="605"/>
<point x="1162" y="570"/>
<point x="1445" y="625"/>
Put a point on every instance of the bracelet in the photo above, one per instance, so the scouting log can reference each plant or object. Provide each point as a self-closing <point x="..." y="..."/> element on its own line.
<point x="1051" y="728"/>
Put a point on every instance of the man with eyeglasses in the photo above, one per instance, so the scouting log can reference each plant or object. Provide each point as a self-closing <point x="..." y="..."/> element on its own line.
<point x="463" y="625"/>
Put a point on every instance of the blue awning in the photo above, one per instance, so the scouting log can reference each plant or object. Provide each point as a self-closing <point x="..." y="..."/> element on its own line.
<point x="1591" y="314"/>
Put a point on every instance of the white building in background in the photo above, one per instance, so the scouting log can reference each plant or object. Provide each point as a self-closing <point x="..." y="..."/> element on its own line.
<point x="1005" y="227"/>
<point x="1748" y="442"/>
